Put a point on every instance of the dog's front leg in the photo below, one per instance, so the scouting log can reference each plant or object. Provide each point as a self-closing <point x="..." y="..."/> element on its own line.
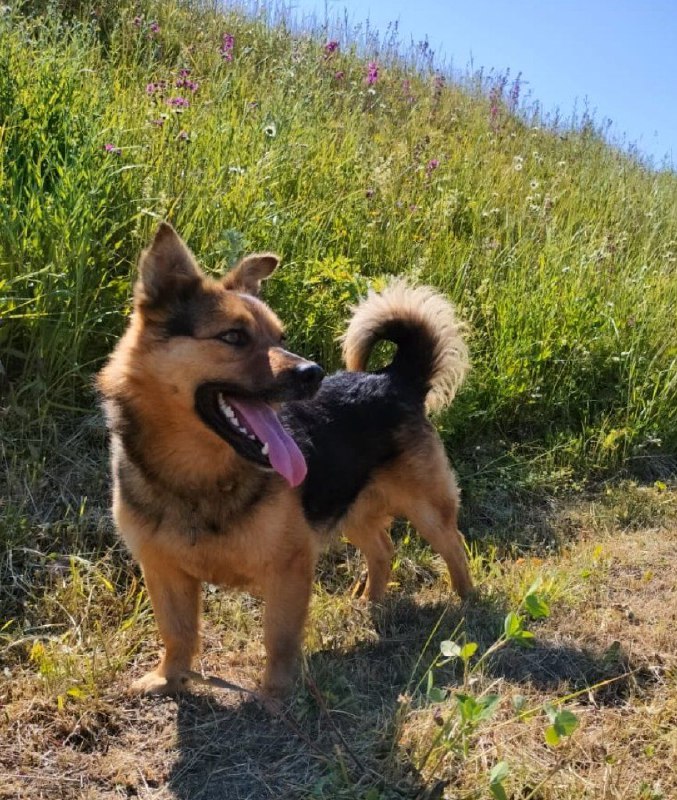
<point x="175" y="596"/>
<point x="287" y="596"/>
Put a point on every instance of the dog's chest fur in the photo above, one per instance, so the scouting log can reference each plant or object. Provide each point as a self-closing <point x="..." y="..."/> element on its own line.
<point x="214" y="509"/>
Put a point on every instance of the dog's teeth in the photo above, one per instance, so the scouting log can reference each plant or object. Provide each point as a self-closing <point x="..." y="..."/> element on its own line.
<point x="228" y="412"/>
<point x="265" y="449"/>
<point x="251" y="436"/>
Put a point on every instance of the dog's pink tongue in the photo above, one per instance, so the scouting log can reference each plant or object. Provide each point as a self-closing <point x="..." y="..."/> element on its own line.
<point x="283" y="452"/>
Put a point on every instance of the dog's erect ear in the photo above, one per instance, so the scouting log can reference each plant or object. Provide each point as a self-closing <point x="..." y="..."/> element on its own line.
<point x="246" y="275"/>
<point x="167" y="269"/>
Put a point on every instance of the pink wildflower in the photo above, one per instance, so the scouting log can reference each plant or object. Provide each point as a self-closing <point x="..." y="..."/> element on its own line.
<point x="227" y="46"/>
<point x="439" y="85"/>
<point x="178" y="103"/>
<point x="372" y="73"/>
<point x="515" y="89"/>
<point x="186" y="83"/>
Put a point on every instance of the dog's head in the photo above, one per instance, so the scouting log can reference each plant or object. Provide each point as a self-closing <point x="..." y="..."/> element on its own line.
<point x="214" y="350"/>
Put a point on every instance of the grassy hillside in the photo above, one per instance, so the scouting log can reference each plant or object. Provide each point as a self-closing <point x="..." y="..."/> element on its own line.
<point x="559" y="251"/>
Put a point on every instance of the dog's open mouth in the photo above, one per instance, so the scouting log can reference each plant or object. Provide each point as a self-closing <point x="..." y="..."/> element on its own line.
<point x="253" y="430"/>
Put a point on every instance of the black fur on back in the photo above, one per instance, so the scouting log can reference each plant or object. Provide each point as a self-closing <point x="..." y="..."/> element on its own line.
<point x="346" y="432"/>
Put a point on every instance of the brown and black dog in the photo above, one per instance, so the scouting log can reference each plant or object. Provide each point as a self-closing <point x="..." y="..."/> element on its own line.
<point x="233" y="460"/>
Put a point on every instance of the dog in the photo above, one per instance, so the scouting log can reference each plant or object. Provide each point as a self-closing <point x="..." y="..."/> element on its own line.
<point x="233" y="459"/>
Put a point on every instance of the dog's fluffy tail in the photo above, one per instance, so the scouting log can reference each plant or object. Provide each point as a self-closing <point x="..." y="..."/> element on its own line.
<point x="431" y="356"/>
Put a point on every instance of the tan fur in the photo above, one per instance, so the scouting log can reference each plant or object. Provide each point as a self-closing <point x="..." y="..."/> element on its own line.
<point x="418" y="486"/>
<point x="173" y="476"/>
<point x="421" y="304"/>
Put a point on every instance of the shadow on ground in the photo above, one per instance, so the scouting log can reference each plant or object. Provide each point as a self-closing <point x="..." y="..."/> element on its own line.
<point x="234" y="749"/>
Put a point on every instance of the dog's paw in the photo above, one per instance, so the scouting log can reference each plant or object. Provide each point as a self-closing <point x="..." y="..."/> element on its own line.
<point x="469" y="595"/>
<point x="276" y="690"/>
<point x="155" y="683"/>
<point x="357" y="592"/>
<point x="271" y="703"/>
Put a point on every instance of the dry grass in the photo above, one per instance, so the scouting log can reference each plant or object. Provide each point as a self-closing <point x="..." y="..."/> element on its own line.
<point x="78" y="628"/>
<point x="616" y="632"/>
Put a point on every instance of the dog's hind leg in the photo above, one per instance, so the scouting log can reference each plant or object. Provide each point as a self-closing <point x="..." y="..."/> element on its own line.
<point x="435" y="518"/>
<point x="421" y="487"/>
<point x="370" y="533"/>
<point x="175" y="597"/>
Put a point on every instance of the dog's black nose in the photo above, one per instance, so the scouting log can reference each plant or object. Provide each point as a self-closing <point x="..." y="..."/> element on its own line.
<point x="309" y="374"/>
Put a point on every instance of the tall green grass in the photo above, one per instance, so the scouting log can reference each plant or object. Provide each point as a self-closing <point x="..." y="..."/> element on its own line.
<point x="559" y="250"/>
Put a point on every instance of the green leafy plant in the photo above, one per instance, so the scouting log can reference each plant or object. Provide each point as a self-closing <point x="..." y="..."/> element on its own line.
<point x="471" y="711"/>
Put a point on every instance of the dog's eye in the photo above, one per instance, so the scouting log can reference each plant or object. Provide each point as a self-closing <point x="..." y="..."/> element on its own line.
<point x="235" y="336"/>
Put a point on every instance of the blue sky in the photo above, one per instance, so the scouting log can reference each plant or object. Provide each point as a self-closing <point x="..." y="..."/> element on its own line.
<point x="619" y="56"/>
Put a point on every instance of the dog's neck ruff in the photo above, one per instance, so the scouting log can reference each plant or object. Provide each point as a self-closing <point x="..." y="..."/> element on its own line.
<point x="257" y="420"/>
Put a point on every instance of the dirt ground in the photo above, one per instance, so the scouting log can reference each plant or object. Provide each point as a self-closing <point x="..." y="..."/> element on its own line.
<point x="353" y="730"/>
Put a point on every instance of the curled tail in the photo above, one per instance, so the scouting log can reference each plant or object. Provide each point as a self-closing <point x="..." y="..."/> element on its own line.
<point x="431" y="356"/>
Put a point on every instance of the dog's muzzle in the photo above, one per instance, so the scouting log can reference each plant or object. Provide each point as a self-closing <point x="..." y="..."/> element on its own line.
<point x="248" y="422"/>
